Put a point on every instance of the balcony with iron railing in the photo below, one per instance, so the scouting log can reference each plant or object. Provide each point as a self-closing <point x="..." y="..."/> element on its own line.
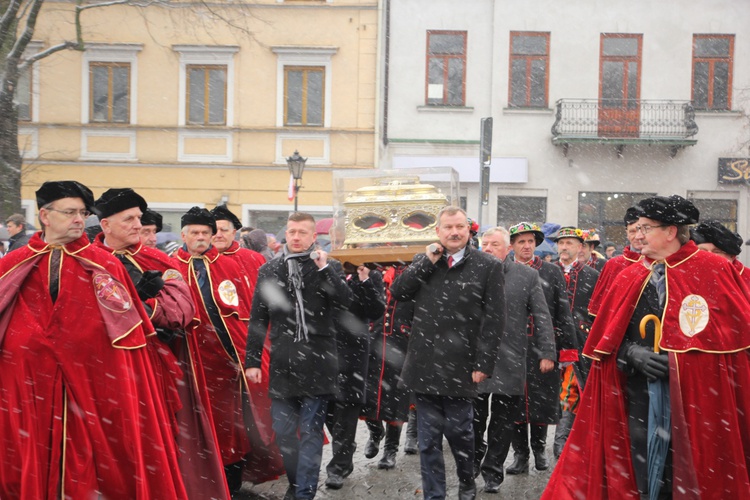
<point x="622" y="122"/>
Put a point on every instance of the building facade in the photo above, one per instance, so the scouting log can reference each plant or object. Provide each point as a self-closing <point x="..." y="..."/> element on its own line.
<point x="201" y="104"/>
<point x="595" y="104"/>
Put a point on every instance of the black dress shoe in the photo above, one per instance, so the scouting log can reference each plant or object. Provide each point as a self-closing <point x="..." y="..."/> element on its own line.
<point x="289" y="495"/>
<point x="520" y="465"/>
<point x="334" y="481"/>
<point x="388" y="460"/>
<point x="491" y="486"/>
<point x="372" y="447"/>
<point x="540" y="461"/>
<point x="467" y="491"/>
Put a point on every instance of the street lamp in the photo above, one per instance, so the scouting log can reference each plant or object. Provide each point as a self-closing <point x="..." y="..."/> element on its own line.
<point x="296" y="166"/>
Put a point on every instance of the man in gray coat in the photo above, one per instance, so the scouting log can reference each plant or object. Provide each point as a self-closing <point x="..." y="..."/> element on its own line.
<point x="524" y="298"/>
<point x="459" y="315"/>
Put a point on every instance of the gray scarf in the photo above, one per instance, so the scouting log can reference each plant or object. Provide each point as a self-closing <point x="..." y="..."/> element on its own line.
<point x="296" y="285"/>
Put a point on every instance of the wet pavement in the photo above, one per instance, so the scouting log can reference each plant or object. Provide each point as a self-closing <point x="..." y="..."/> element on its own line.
<point x="369" y="482"/>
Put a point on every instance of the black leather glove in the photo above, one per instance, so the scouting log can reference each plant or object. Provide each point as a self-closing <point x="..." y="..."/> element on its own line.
<point x="646" y="361"/>
<point x="149" y="285"/>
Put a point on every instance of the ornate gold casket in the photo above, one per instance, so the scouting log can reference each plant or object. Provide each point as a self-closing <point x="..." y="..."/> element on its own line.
<point x="392" y="216"/>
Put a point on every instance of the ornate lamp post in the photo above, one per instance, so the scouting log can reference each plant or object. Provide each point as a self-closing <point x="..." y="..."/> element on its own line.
<point x="296" y="166"/>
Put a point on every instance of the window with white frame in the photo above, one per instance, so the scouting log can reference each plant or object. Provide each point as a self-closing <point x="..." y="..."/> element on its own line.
<point x="110" y="73"/>
<point x="206" y="84"/>
<point x="304" y="86"/>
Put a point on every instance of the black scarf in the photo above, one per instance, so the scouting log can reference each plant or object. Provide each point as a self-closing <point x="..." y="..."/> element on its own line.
<point x="295" y="285"/>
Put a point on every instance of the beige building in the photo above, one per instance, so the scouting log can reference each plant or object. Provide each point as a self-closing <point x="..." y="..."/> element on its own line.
<point x="199" y="105"/>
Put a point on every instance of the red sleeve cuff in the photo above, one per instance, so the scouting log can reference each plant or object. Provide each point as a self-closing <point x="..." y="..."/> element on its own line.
<point x="568" y="355"/>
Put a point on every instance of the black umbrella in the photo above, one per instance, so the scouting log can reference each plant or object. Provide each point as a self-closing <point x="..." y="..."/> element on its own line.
<point x="659" y="418"/>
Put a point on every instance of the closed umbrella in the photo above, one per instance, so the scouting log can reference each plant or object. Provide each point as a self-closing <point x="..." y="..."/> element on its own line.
<point x="659" y="419"/>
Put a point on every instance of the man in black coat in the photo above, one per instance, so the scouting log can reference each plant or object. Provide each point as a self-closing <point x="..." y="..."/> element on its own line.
<point x="299" y="295"/>
<point x="16" y="225"/>
<point x="459" y="315"/>
<point x="543" y="389"/>
<point x="524" y="299"/>
<point x="353" y="345"/>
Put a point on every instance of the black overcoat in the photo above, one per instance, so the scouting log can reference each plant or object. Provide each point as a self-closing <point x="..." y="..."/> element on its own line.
<point x="524" y="298"/>
<point x="459" y="315"/>
<point x="353" y="336"/>
<point x="304" y="368"/>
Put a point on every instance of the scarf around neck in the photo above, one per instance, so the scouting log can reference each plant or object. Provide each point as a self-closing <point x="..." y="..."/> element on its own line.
<point x="295" y="285"/>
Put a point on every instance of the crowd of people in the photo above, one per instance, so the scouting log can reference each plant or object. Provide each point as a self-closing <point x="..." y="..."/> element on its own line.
<point x="129" y="371"/>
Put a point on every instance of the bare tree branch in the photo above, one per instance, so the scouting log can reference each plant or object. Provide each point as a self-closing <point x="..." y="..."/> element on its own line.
<point x="41" y="55"/>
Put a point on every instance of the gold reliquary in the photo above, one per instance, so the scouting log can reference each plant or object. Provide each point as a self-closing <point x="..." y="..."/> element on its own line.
<point x="392" y="216"/>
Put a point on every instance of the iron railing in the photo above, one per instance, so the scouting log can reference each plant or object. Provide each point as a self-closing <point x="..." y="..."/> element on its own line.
<point x="608" y="119"/>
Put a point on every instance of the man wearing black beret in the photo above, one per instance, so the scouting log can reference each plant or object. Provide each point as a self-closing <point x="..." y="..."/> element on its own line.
<point x="83" y="412"/>
<point x="151" y="223"/>
<point x="221" y="295"/>
<point x="166" y="297"/>
<point x="670" y="368"/>
<point x="714" y="237"/>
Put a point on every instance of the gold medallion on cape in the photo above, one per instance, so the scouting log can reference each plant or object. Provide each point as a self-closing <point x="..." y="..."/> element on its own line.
<point x="228" y="293"/>
<point x="111" y="293"/>
<point x="693" y="315"/>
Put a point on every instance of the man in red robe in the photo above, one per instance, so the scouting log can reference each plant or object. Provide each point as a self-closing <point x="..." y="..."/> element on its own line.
<point x="167" y="299"/>
<point x="83" y="415"/>
<point x="630" y="255"/>
<point x="716" y="238"/>
<point x="221" y="295"/>
<point x="264" y="462"/>
<point x="704" y="312"/>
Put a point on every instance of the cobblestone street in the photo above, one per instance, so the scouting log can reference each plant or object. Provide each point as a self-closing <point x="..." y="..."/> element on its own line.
<point x="367" y="481"/>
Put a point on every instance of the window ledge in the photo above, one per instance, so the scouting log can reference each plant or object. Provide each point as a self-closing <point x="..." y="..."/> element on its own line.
<point x="717" y="113"/>
<point x="528" y="111"/>
<point x="446" y="109"/>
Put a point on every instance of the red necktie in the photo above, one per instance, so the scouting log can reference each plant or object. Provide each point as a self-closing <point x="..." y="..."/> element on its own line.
<point x="450" y="261"/>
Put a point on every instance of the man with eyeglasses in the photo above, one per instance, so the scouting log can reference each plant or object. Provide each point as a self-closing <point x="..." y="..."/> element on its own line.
<point x="630" y="255"/>
<point x="697" y="303"/>
<point x="83" y="414"/>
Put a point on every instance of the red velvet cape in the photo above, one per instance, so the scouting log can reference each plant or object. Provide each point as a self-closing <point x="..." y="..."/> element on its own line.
<point x="709" y="381"/>
<point x="82" y="414"/>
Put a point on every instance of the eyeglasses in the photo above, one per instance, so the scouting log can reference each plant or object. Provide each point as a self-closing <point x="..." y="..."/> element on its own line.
<point x="72" y="212"/>
<point x="646" y="228"/>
